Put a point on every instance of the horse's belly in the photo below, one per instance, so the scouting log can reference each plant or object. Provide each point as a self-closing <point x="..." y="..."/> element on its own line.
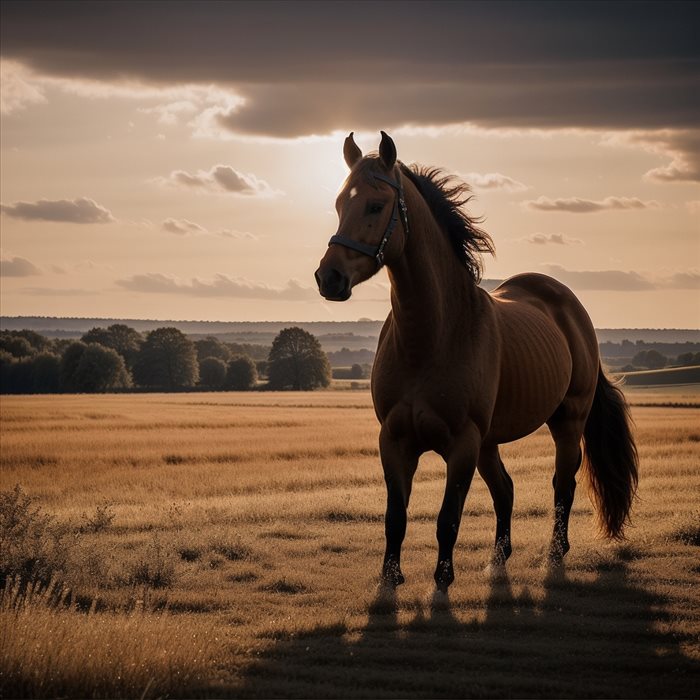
<point x="534" y="378"/>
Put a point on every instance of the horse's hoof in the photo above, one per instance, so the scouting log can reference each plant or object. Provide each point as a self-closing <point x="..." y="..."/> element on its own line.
<point x="501" y="553"/>
<point x="444" y="575"/>
<point x="391" y="574"/>
<point x="557" y="552"/>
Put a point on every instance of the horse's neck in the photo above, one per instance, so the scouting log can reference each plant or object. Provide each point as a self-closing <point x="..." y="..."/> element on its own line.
<point x="432" y="294"/>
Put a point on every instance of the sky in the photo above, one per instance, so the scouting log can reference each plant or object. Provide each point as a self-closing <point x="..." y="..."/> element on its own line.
<point x="181" y="160"/>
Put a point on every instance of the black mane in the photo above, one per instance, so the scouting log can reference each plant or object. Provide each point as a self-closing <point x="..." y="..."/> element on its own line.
<point x="445" y="195"/>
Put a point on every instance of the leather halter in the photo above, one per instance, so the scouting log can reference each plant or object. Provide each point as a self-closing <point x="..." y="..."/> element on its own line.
<point x="399" y="211"/>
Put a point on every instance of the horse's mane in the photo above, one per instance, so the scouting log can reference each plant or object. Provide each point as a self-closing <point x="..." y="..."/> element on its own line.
<point x="445" y="195"/>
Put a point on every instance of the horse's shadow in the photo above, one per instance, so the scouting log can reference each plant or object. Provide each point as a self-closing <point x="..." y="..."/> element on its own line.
<point x="584" y="638"/>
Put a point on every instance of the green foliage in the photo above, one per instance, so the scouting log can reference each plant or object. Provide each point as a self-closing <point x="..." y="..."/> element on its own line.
<point x="167" y="360"/>
<point x="652" y="359"/>
<point x="16" y="346"/>
<point x="297" y="361"/>
<point x="212" y="347"/>
<point x="93" y="368"/>
<point x="32" y="546"/>
<point x="212" y="372"/>
<point x="121" y="338"/>
<point x="689" y="358"/>
<point x="241" y="374"/>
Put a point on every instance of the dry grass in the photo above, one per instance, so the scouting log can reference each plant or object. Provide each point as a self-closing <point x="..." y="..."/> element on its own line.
<point x="253" y="522"/>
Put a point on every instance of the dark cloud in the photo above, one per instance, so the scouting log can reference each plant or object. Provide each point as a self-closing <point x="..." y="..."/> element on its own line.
<point x="576" y="205"/>
<point x="18" y="267"/>
<point x="310" y="67"/>
<point x="221" y="286"/>
<point x="77" y="211"/>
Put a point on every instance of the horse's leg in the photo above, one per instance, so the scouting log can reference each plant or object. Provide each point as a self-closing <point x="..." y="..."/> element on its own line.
<point x="567" y="435"/>
<point x="461" y="463"/>
<point x="399" y="462"/>
<point x="500" y="485"/>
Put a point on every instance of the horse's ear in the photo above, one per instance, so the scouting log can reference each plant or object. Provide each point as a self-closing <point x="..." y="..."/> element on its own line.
<point x="387" y="151"/>
<point x="351" y="151"/>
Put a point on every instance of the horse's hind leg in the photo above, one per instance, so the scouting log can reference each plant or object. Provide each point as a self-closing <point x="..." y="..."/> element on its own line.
<point x="567" y="433"/>
<point x="500" y="485"/>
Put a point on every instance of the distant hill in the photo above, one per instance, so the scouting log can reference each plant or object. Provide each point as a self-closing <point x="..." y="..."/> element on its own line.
<point x="334" y="336"/>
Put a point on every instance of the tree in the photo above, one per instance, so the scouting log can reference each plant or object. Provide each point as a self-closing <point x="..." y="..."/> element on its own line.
<point x="356" y="372"/>
<point x="297" y="361"/>
<point x="93" y="368"/>
<point x="167" y="359"/>
<point x="212" y="347"/>
<point x="124" y="339"/>
<point x="689" y="358"/>
<point x="650" y="358"/>
<point x="212" y="372"/>
<point x="241" y="373"/>
<point x="46" y="368"/>
<point x="16" y="345"/>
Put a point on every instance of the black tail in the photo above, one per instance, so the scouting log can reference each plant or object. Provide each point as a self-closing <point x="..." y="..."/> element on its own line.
<point x="611" y="457"/>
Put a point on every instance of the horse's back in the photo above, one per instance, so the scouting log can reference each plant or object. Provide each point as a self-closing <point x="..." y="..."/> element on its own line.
<point x="549" y="352"/>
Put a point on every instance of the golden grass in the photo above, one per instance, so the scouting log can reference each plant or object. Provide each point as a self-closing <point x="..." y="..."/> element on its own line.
<point x="255" y="523"/>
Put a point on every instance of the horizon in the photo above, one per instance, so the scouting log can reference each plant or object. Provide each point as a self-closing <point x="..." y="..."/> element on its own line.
<point x="195" y="174"/>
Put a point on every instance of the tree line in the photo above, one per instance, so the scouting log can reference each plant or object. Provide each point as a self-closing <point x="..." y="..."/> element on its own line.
<point x="119" y="358"/>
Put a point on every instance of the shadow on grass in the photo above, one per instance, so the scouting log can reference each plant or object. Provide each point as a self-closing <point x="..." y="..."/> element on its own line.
<point x="599" y="638"/>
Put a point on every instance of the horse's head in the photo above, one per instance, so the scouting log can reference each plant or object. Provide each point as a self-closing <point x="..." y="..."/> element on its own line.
<point x="373" y="221"/>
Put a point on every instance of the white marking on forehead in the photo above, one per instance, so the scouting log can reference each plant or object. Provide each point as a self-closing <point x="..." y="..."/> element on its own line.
<point x="353" y="192"/>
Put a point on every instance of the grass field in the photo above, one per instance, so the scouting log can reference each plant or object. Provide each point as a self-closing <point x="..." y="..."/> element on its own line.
<point x="228" y="545"/>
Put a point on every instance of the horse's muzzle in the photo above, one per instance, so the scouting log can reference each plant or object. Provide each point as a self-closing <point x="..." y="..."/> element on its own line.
<point x="333" y="285"/>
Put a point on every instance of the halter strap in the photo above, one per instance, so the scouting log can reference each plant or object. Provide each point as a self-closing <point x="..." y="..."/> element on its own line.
<point x="399" y="212"/>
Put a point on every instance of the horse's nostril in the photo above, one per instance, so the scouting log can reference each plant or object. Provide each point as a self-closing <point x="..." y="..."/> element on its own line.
<point x="318" y="278"/>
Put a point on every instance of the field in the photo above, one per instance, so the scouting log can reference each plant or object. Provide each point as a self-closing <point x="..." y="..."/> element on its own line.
<point x="228" y="545"/>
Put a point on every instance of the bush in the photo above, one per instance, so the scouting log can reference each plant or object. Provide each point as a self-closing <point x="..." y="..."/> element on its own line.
<point x="32" y="546"/>
<point x="241" y="374"/>
<point x="212" y="372"/>
<point x="93" y="368"/>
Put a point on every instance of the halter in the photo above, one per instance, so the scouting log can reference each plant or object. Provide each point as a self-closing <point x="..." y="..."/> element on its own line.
<point x="399" y="211"/>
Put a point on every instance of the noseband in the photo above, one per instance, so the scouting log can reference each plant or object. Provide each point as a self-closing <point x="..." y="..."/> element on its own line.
<point x="399" y="211"/>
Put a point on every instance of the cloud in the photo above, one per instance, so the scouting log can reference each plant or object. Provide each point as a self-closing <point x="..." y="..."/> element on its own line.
<point x="16" y="90"/>
<point x="182" y="227"/>
<point x="77" y="211"/>
<point x="238" y="235"/>
<point x="221" y="286"/>
<point x="681" y="147"/>
<point x="18" y="267"/>
<point x="557" y="238"/>
<point x="493" y="181"/>
<point x="220" y="179"/>
<point x="576" y="205"/>
<point x="620" y="281"/>
<point x="535" y="64"/>
<point x="58" y="292"/>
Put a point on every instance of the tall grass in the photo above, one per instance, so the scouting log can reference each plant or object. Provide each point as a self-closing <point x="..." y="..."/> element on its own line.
<point x="229" y="546"/>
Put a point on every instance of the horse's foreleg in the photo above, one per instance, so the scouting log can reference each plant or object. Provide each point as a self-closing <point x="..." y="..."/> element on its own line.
<point x="500" y="486"/>
<point x="461" y="463"/>
<point x="399" y="462"/>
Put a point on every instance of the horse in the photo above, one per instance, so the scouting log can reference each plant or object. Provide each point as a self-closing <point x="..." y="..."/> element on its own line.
<point x="460" y="371"/>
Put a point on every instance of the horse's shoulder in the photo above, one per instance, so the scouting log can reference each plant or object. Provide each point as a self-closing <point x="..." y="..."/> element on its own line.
<point x="531" y="284"/>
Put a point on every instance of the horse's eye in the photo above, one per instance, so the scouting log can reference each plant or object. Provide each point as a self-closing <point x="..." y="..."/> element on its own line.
<point x="374" y="207"/>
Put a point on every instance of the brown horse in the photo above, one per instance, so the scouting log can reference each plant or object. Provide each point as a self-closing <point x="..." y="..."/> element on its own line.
<point x="460" y="371"/>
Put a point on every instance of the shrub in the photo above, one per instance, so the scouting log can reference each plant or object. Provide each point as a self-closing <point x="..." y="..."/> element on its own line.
<point x="212" y="372"/>
<point x="32" y="546"/>
<point x="241" y="374"/>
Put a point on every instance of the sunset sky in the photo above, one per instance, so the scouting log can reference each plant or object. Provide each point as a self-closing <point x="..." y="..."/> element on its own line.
<point x="180" y="160"/>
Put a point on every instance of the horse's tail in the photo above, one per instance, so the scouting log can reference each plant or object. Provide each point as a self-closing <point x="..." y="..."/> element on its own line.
<point x="611" y="457"/>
